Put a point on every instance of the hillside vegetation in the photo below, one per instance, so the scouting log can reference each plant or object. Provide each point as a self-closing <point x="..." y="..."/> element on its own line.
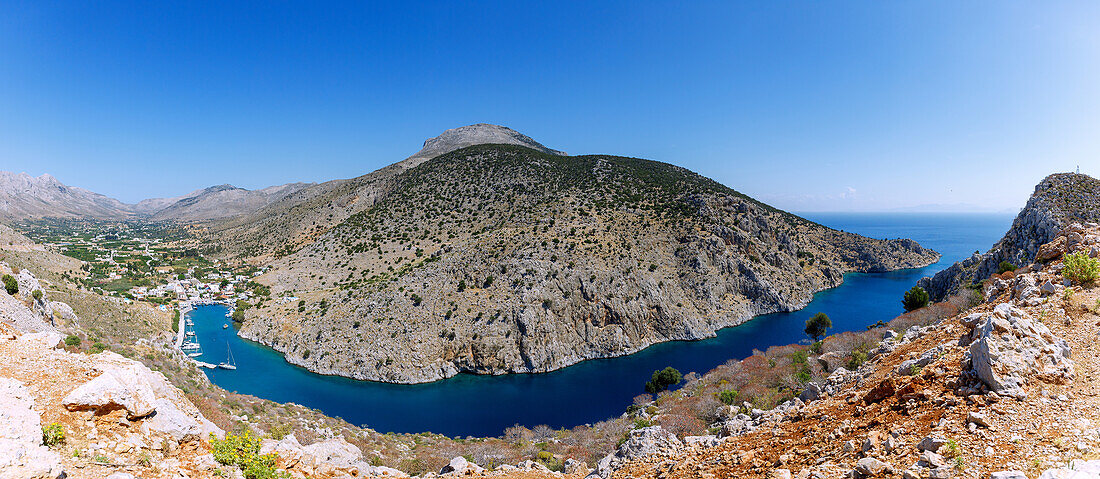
<point x="501" y="258"/>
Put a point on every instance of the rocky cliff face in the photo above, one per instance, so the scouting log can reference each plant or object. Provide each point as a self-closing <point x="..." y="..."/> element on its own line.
<point x="1057" y="201"/>
<point x="503" y="259"/>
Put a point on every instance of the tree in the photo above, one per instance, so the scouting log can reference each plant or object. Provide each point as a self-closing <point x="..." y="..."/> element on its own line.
<point x="817" y="325"/>
<point x="10" y="284"/>
<point x="663" y="379"/>
<point x="1005" y="266"/>
<point x="914" y="299"/>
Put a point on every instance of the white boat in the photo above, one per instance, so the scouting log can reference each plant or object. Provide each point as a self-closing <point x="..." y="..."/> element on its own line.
<point x="190" y="333"/>
<point x="195" y="354"/>
<point x="225" y="326"/>
<point x="190" y="345"/>
<point x="229" y="363"/>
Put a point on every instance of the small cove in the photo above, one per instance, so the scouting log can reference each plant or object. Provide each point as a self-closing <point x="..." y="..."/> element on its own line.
<point x="597" y="389"/>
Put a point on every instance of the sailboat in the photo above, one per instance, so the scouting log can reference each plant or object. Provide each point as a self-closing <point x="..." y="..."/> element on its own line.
<point x="193" y="349"/>
<point x="229" y="363"/>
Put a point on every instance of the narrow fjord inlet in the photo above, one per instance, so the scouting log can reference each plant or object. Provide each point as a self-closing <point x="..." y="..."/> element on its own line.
<point x="595" y="389"/>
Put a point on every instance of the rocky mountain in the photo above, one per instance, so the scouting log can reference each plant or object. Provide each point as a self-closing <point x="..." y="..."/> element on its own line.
<point x="25" y="196"/>
<point x="470" y="135"/>
<point x="215" y="202"/>
<point x="303" y="216"/>
<point x="1058" y="200"/>
<point x="507" y="259"/>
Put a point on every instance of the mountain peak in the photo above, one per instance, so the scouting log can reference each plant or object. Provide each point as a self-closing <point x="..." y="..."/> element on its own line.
<point x="470" y="135"/>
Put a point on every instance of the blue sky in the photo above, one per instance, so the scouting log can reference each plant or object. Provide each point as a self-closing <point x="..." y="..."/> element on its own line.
<point x="810" y="106"/>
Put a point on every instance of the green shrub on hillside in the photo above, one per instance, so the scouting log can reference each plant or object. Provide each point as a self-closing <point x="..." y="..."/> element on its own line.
<point x="243" y="452"/>
<point x="857" y="357"/>
<point x="72" y="340"/>
<point x="1080" y="268"/>
<point x="728" y="396"/>
<point x="914" y="299"/>
<point x="37" y="295"/>
<point x="53" y="434"/>
<point x="1005" y="266"/>
<point x="10" y="284"/>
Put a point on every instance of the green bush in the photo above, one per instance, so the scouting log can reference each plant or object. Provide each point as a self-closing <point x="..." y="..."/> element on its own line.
<point x="53" y="435"/>
<point x="1005" y="266"/>
<point x="1080" y="268"/>
<point x="547" y="459"/>
<point x="72" y="340"/>
<point x="856" y="358"/>
<point x="37" y="295"/>
<point x="10" y="284"/>
<point x="243" y="452"/>
<point x="98" y="347"/>
<point x="728" y="396"/>
<point x="817" y="325"/>
<point x="663" y="379"/>
<point x="914" y="299"/>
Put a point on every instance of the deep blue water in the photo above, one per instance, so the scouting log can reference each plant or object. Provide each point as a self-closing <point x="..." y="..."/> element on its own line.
<point x="598" y="389"/>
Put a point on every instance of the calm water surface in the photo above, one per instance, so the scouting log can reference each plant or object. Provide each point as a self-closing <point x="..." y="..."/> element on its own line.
<point x="597" y="389"/>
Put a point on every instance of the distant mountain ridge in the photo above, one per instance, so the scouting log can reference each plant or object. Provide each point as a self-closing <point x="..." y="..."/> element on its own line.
<point x="24" y="197"/>
<point x="216" y="202"/>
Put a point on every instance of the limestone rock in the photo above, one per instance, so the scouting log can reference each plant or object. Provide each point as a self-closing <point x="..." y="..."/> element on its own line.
<point x="1078" y="469"/>
<point x="642" y="442"/>
<point x="931" y="443"/>
<point x="122" y="388"/>
<point x="22" y="455"/>
<point x="1011" y="349"/>
<point x="530" y="465"/>
<point x="1052" y="250"/>
<point x="832" y="360"/>
<point x="871" y="467"/>
<point x="702" y="441"/>
<point x="336" y="451"/>
<point x="812" y="392"/>
<point x="575" y="467"/>
<point x="145" y="395"/>
<point x="460" y="466"/>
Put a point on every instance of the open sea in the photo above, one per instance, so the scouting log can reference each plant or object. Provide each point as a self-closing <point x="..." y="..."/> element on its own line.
<point x="473" y="405"/>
